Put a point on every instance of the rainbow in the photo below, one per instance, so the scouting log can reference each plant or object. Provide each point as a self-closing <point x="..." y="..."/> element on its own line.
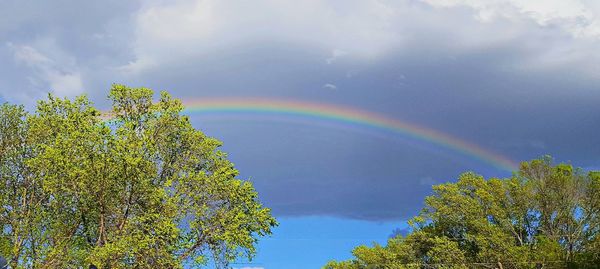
<point x="346" y="115"/>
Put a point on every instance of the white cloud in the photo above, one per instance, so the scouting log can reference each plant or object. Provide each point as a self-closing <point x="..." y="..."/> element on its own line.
<point x="335" y="54"/>
<point x="28" y="55"/>
<point x="330" y="86"/>
<point x="549" y="34"/>
<point x="160" y="34"/>
<point x="577" y="17"/>
<point x="170" y="31"/>
<point x="65" y="84"/>
<point x="57" y="73"/>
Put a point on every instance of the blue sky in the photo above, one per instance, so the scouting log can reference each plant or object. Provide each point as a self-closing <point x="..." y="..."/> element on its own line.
<point x="519" y="78"/>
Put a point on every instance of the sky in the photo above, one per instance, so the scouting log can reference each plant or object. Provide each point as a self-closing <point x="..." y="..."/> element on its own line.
<point x="514" y="79"/>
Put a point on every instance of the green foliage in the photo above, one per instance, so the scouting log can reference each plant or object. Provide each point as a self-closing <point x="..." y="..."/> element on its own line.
<point x="141" y="190"/>
<point x="545" y="216"/>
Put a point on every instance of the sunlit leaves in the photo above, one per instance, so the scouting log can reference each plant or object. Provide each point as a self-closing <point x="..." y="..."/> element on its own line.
<point x="141" y="190"/>
<point x="544" y="216"/>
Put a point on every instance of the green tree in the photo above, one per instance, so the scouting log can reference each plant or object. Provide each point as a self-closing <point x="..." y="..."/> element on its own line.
<point x="141" y="189"/>
<point x="545" y="216"/>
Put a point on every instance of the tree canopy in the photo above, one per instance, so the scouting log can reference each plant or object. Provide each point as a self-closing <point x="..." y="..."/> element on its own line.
<point x="544" y="216"/>
<point x="140" y="189"/>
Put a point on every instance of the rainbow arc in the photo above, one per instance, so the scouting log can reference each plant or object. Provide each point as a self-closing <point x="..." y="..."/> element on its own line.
<point x="347" y="115"/>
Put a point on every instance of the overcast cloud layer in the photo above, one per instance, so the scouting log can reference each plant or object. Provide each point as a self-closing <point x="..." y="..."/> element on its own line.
<point x="517" y="77"/>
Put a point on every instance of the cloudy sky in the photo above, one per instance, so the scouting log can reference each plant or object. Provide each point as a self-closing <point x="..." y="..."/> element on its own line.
<point x="517" y="78"/>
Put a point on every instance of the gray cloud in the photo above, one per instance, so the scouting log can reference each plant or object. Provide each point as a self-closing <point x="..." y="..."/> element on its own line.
<point x="72" y="44"/>
<point x="62" y="76"/>
<point x="512" y="76"/>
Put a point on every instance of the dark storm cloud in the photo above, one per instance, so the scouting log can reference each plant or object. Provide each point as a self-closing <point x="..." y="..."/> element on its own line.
<point x="521" y="82"/>
<point x="521" y="115"/>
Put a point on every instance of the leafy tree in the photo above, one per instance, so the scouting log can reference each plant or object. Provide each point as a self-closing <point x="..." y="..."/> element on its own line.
<point x="545" y="216"/>
<point x="142" y="189"/>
